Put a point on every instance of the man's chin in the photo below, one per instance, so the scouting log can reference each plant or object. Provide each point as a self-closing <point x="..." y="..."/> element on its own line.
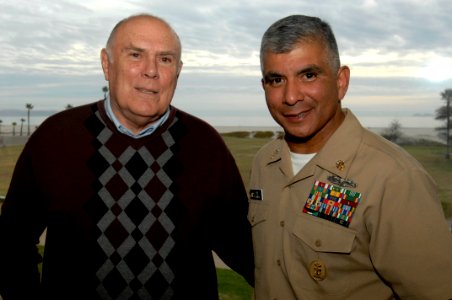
<point x="297" y="137"/>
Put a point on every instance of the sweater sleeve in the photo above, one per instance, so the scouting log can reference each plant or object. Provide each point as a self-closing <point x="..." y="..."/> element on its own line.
<point x="21" y="224"/>
<point x="232" y="230"/>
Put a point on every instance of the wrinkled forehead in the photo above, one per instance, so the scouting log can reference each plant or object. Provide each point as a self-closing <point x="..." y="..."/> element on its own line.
<point x="146" y="28"/>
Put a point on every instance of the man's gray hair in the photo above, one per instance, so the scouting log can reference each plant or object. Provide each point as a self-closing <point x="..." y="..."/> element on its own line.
<point x="283" y="36"/>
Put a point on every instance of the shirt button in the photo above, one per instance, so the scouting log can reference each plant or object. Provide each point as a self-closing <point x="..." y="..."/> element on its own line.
<point x="318" y="243"/>
<point x="278" y="262"/>
<point x="281" y="223"/>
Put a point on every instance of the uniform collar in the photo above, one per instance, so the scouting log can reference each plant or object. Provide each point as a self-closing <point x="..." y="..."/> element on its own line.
<point x="340" y="150"/>
<point x="336" y="156"/>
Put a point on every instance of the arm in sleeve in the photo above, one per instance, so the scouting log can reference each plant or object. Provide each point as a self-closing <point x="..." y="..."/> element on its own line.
<point x="231" y="236"/>
<point x="20" y="229"/>
<point x="410" y="246"/>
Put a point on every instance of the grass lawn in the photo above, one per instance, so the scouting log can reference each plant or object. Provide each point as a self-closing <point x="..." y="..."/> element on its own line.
<point x="8" y="158"/>
<point x="232" y="286"/>
<point x="243" y="150"/>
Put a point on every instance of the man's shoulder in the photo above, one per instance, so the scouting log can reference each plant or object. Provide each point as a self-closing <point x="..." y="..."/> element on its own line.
<point x="66" y="121"/>
<point x="387" y="152"/>
<point x="270" y="150"/>
<point x="73" y="113"/>
<point x="194" y="123"/>
<point x="372" y="145"/>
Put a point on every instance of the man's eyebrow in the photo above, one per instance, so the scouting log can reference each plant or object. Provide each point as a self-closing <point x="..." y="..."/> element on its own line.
<point x="133" y="48"/>
<point x="161" y="53"/>
<point x="169" y="52"/>
<point x="310" y="69"/>
<point x="272" y="75"/>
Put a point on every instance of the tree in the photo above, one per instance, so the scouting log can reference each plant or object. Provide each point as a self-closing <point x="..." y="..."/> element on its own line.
<point x="14" y="128"/>
<point x="29" y="107"/>
<point x="393" y="132"/>
<point x="69" y="106"/>
<point x="105" y="91"/>
<point x="22" y="120"/>
<point x="444" y="113"/>
<point x="1" y="121"/>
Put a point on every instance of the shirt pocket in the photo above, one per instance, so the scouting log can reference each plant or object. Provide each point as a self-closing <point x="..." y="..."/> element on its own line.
<point x="323" y="236"/>
<point x="318" y="239"/>
<point x="257" y="216"/>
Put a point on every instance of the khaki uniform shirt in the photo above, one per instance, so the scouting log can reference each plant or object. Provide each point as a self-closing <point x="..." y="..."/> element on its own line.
<point x="396" y="244"/>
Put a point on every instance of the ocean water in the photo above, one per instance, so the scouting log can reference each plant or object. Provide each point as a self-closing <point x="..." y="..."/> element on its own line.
<point x="410" y="123"/>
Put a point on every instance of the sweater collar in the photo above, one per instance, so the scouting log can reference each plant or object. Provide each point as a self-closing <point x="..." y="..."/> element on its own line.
<point x="121" y="128"/>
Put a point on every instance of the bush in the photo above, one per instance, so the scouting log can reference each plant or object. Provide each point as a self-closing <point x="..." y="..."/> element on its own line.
<point x="263" y="134"/>
<point x="238" y="134"/>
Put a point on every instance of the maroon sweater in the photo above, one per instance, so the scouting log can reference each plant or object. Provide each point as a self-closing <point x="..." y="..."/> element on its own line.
<point x="126" y="218"/>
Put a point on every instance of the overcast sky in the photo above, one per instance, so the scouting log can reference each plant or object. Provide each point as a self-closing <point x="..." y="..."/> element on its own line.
<point x="399" y="52"/>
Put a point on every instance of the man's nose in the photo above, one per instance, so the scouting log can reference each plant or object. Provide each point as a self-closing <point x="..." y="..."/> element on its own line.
<point x="151" y="69"/>
<point x="292" y="93"/>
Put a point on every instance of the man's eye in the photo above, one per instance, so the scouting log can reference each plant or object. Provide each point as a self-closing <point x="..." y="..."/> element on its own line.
<point x="135" y="54"/>
<point x="310" y="76"/>
<point x="275" y="81"/>
<point x="166" y="59"/>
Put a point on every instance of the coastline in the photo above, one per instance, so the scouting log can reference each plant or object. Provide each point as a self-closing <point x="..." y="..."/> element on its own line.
<point x="426" y="133"/>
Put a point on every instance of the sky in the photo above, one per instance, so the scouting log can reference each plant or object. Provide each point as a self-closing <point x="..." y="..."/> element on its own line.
<point x="399" y="53"/>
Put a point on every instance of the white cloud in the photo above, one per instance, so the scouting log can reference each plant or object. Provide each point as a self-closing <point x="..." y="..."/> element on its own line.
<point x="50" y="50"/>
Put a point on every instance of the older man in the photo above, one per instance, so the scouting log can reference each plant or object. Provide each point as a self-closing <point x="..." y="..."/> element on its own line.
<point x="135" y="194"/>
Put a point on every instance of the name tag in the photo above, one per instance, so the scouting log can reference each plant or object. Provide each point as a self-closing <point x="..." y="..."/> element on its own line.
<point x="256" y="195"/>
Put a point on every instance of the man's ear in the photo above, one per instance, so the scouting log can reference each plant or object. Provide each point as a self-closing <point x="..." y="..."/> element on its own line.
<point x="105" y="62"/>
<point x="343" y="79"/>
<point x="179" y="68"/>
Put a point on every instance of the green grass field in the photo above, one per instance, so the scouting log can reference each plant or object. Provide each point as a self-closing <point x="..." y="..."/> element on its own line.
<point x="8" y="158"/>
<point x="232" y="286"/>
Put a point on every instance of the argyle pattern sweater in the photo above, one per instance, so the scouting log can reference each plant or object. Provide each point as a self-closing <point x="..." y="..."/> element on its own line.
<point x="126" y="218"/>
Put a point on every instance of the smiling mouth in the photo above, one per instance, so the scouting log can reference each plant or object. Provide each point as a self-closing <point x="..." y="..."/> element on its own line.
<point x="298" y="116"/>
<point x="147" y="91"/>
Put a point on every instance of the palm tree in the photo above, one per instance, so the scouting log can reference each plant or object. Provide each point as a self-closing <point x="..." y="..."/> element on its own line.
<point x="29" y="107"/>
<point x="22" y="120"/>
<point x="1" y="121"/>
<point x="14" y="128"/>
<point x="105" y="90"/>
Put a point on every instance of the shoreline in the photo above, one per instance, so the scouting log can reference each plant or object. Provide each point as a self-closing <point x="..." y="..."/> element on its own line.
<point x="420" y="133"/>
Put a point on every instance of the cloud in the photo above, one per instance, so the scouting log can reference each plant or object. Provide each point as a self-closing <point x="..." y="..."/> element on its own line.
<point x="50" y="51"/>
